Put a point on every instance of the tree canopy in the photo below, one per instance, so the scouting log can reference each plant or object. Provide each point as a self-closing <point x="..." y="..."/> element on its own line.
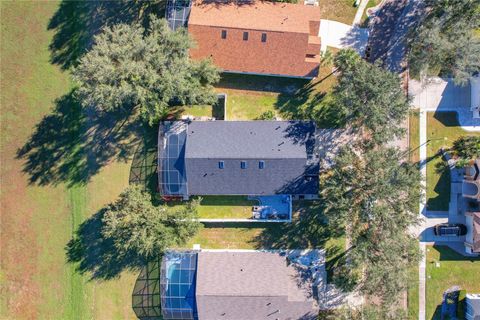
<point x="467" y="147"/>
<point x="129" y="68"/>
<point x="135" y="225"/>
<point x="372" y="191"/>
<point x="447" y="40"/>
<point x="370" y="96"/>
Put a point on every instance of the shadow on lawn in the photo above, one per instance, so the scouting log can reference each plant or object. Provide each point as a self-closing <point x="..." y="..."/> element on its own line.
<point x="308" y="102"/>
<point x="95" y="254"/>
<point x="447" y="254"/>
<point x="442" y="187"/>
<point x="308" y="229"/>
<point x="76" y="22"/>
<point x="261" y="83"/>
<point x="71" y="144"/>
<point x="447" y="118"/>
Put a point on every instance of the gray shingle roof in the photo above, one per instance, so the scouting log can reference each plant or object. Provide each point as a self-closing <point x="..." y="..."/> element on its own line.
<point x="249" y="139"/>
<point x="279" y="176"/>
<point x="286" y="147"/>
<point x="251" y="285"/>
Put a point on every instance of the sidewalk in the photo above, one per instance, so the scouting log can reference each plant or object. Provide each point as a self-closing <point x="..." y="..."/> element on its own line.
<point x="359" y="14"/>
<point x="421" y="213"/>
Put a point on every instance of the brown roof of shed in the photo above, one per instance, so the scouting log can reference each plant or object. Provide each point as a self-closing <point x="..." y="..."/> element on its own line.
<point x="254" y="15"/>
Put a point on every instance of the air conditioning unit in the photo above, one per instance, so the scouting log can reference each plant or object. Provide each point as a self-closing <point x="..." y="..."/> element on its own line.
<point x="311" y="2"/>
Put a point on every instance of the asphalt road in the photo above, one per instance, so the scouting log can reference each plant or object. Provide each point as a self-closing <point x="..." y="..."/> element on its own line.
<point x="389" y="29"/>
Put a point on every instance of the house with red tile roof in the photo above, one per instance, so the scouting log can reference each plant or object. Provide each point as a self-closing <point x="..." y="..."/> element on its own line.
<point x="257" y="37"/>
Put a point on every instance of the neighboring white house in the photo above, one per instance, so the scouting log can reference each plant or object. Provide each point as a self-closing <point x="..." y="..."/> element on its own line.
<point x="472" y="303"/>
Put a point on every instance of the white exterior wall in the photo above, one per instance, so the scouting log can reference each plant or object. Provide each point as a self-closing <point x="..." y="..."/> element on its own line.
<point x="475" y="92"/>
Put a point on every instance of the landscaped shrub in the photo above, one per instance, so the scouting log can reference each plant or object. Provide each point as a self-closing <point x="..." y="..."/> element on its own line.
<point x="467" y="147"/>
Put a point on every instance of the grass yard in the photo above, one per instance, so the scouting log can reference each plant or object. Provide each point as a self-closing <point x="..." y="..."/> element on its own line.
<point x="338" y="10"/>
<point x="454" y="269"/>
<point x="249" y="105"/>
<point x="413" y="294"/>
<point x="300" y="233"/>
<point x="414" y="136"/>
<point x="250" y="96"/>
<point x="440" y="125"/>
<point x="48" y="186"/>
<point x="225" y="207"/>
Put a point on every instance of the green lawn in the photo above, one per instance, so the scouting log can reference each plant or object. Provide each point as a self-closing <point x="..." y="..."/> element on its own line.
<point x="249" y="105"/>
<point x="302" y="232"/>
<point x="454" y="269"/>
<point x="440" y="125"/>
<point x="338" y="10"/>
<point x="250" y="96"/>
<point x="413" y="294"/>
<point x="225" y="207"/>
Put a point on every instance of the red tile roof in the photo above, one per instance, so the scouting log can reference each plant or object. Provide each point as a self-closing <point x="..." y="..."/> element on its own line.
<point x="291" y="31"/>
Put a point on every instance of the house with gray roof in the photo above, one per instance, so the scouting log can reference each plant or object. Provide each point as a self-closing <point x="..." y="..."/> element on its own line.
<point x="235" y="285"/>
<point x="252" y="158"/>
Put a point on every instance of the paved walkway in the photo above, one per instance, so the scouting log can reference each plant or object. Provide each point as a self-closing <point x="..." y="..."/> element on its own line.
<point x="421" y="283"/>
<point x="421" y="213"/>
<point x="359" y="14"/>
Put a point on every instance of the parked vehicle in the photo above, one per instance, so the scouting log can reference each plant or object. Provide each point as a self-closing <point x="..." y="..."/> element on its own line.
<point x="450" y="229"/>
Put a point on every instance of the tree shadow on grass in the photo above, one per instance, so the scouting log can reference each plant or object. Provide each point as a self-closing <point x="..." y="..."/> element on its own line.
<point x="442" y="187"/>
<point x="307" y="103"/>
<point x="71" y="144"/>
<point x="76" y="22"/>
<point x="308" y="229"/>
<point x="260" y="83"/>
<point x="95" y="254"/>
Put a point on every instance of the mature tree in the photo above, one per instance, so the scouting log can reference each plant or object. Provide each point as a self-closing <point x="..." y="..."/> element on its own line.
<point x="372" y="98"/>
<point x="386" y="258"/>
<point x="129" y="68"/>
<point x="135" y="225"/>
<point x="447" y="41"/>
<point x="467" y="147"/>
<point x="373" y="192"/>
<point x="346" y="59"/>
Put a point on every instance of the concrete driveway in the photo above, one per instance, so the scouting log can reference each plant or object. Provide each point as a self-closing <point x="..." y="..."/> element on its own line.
<point x="444" y="95"/>
<point x="340" y="35"/>
<point x="439" y="95"/>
